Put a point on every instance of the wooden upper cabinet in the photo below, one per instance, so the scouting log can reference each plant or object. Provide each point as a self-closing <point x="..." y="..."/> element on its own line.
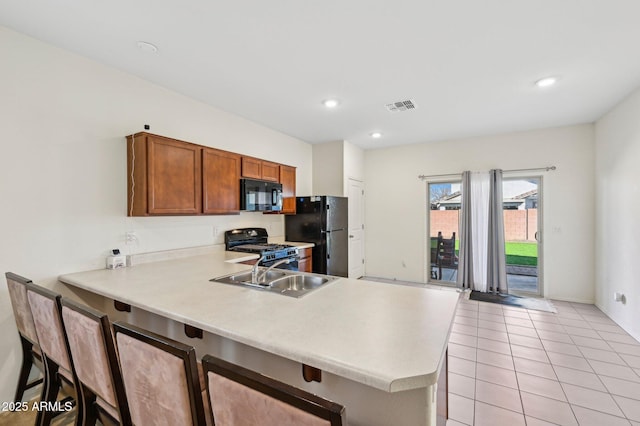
<point x="167" y="176"/>
<point x="171" y="177"/>
<point x="251" y="168"/>
<point x="270" y="171"/>
<point x="254" y="168"/>
<point x="288" y="181"/>
<point x="220" y="182"/>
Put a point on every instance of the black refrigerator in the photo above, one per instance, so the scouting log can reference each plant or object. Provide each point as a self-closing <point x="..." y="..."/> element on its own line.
<point x="322" y="220"/>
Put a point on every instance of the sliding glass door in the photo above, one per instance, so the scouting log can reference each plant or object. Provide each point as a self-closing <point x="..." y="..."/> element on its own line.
<point x="523" y="233"/>
<point x="443" y="235"/>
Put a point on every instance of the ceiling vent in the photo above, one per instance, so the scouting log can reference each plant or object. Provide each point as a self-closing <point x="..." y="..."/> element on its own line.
<point x="401" y="106"/>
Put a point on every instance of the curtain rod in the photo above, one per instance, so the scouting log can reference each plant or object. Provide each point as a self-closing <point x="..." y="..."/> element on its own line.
<point x="538" y="169"/>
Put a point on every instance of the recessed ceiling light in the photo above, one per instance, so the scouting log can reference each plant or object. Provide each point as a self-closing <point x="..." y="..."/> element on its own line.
<point x="147" y="47"/>
<point x="547" y="81"/>
<point x="376" y="135"/>
<point x="330" y="103"/>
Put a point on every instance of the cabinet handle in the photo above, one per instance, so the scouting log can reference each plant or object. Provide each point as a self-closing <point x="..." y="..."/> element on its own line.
<point x="351" y="236"/>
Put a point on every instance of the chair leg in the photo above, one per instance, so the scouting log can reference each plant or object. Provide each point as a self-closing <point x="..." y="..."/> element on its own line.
<point x="27" y="363"/>
<point x="86" y="413"/>
<point x="49" y="393"/>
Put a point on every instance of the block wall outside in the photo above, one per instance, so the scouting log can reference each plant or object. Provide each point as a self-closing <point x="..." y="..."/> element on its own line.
<point x="519" y="225"/>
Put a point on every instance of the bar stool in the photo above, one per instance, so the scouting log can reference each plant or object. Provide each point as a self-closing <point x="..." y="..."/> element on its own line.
<point x="93" y="351"/>
<point x="239" y="397"/>
<point x="47" y="318"/>
<point x="31" y="355"/>
<point x="160" y="378"/>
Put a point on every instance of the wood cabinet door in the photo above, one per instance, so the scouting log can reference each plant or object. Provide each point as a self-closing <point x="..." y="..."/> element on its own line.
<point x="270" y="171"/>
<point x="288" y="181"/>
<point x="174" y="177"/>
<point x="221" y="181"/>
<point x="251" y="168"/>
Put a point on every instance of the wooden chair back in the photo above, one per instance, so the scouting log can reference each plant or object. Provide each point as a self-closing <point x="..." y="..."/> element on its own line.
<point x="160" y="378"/>
<point x="239" y="396"/>
<point x="101" y="389"/>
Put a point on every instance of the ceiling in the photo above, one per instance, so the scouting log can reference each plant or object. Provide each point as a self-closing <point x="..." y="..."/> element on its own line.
<point x="469" y="65"/>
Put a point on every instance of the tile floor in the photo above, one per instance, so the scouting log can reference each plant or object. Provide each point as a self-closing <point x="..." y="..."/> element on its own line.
<point x="511" y="366"/>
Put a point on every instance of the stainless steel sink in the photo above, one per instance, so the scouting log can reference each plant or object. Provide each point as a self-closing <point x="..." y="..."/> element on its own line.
<point x="282" y="281"/>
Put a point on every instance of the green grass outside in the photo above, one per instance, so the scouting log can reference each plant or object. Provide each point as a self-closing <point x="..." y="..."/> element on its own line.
<point x="518" y="253"/>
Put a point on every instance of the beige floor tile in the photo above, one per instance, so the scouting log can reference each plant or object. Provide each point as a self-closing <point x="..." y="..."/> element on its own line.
<point x="465" y="321"/>
<point x="462" y="385"/>
<point x="540" y="325"/>
<point x="631" y="360"/>
<point x="614" y="370"/>
<point x="579" y="378"/>
<point x="609" y="328"/>
<point x="588" y="417"/>
<point x="489" y="415"/>
<point x="622" y="387"/>
<point x="462" y="366"/>
<point x="592" y="399"/>
<point x="461" y="409"/>
<point x="467" y="313"/>
<point x="531" y="421"/>
<point x="589" y="342"/>
<point x="570" y="361"/>
<point x="529" y="366"/>
<point x="491" y="317"/>
<point x="491" y="308"/>
<point x="562" y="348"/>
<point x="562" y="313"/>
<point x="494" y="346"/>
<point x="464" y="329"/>
<point x="554" y="336"/>
<point x="583" y="332"/>
<point x="600" y="355"/>
<point x="493" y="335"/>
<point x="516" y="313"/>
<point x="551" y="410"/>
<point x="580" y="323"/>
<point x="492" y="325"/>
<point x="451" y="422"/>
<point x="530" y="342"/>
<point x="463" y="339"/>
<point x="497" y="375"/>
<point x="619" y="338"/>
<point x="600" y="319"/>
<point x="462" y="351"/>
<point x="540" y="386"/>
<point x="630" y="407"/>
<point x="494" y="358"/>
<point x="624" y="348"/>
<point x="522" y="331"/>
<point x="500" y="396"/>
<point x="519" y="322"/>
<point x="529" y="353"/>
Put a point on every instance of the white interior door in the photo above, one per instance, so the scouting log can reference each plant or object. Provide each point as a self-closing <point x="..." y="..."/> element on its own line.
<point x="356" y="228"/>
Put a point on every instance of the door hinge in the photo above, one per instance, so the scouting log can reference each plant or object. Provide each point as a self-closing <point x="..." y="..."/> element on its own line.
<point x="363" y="261"/>
<point x="363" y="226"/>
<point x="363" y="192"/>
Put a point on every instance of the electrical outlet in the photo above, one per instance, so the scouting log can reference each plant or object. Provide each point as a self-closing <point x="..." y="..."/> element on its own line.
<point x="131" y="237"/>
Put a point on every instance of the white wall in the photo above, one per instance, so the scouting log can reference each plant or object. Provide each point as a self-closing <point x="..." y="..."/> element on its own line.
<point x="396" y="201"/>
<point x="328" y="169"/>
<point x="334" y="163"/>
<point x="63" y="167"/>
<point x="617" y="213"/>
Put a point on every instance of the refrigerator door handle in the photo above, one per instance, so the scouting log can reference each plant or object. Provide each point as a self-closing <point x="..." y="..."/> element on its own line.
<point x="328" y="244"/>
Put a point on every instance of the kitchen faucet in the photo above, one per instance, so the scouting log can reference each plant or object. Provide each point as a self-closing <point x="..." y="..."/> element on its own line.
<point x="255" y="279"/>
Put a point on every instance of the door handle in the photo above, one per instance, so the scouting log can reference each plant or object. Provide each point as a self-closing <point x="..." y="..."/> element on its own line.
<point x="351" y="236"/>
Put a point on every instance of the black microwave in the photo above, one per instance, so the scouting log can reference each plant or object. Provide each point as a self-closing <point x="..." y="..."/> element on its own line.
<point x="260" y="196"/>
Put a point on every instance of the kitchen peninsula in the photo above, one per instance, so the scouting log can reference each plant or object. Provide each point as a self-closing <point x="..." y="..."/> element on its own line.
<point x="380" y="347"/>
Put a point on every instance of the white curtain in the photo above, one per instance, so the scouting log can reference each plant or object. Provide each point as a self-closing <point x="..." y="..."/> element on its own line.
<point x="479" y="188"/>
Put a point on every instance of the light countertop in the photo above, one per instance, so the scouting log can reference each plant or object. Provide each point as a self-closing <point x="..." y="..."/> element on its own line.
<point x="390" y="337"/>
